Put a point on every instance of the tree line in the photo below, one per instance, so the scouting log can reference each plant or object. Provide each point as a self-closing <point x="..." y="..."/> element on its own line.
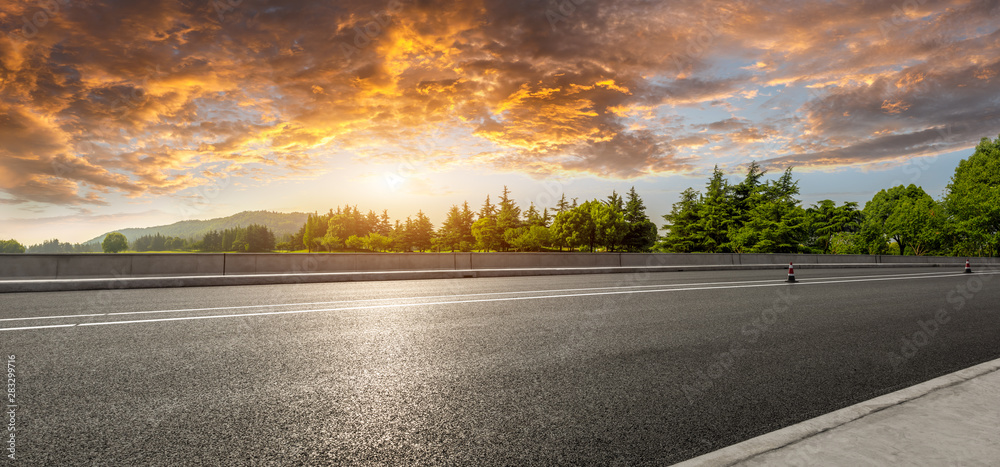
<point x="754" y="216"/>
<point x="252" y="238"/>
<point x="55" y="246"/>
<point x="612" y="224"/>
<point x="159" y="243"/>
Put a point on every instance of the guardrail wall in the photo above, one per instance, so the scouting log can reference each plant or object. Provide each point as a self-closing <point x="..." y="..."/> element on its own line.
<point x="65" y="266"/>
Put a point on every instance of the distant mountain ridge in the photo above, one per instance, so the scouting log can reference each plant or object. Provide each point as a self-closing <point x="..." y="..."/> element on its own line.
<point x="279" y="222"/>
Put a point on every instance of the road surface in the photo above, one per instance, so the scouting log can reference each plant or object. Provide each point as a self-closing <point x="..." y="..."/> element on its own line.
<point x="595" y="369"/>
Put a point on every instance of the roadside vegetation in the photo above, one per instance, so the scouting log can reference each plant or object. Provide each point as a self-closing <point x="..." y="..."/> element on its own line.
<point x="755" y="215"/>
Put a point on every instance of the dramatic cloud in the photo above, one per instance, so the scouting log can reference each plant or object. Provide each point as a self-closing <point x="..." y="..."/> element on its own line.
<point x="156" y="97"/>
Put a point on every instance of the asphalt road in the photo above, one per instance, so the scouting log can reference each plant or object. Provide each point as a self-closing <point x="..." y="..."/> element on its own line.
<point x="597" y="369"/>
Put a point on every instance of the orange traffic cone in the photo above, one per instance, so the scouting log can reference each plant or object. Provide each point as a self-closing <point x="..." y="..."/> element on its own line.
<point x="968" y="267"/>
<point x="791" y="273"/>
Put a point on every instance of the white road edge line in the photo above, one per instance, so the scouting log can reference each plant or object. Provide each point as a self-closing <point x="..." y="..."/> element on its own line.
<point x="278" y="305"/>
<point x="483" y="300"/>
<point x="692" y="267"/>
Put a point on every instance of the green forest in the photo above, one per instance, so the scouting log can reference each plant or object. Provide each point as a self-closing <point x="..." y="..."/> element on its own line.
<point x="755" y="215"/>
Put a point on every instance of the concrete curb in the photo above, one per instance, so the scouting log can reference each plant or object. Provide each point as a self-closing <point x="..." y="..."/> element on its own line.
<point x="105" y="283"/>
<point x="779" y="439"/>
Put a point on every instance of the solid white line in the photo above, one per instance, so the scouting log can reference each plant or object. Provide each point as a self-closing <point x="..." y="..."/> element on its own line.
<point x="895" y="278"/>
<point x="40" y="327"/>
<point x="29" y="318"/>
<point x="182" y="310"/>
<point x="374" y="300"/>
<point x="484" y="300"/>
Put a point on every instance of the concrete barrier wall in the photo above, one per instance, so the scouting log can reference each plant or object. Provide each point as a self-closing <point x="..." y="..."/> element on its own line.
<point x="846" y="259"/>
<point x="208" y="264"/>
<point x="74" y="266"/>
<point x="97" y="265"/>
<point x="284" y="263"/>
<point x="928" y="259"/>
<point x="28" y="266"/>
<point x="775" y="259"/>
<point x="463" y="260"/>
<point x="182" y="264"/>
<point x="676" y="259"/>
<point x="547" y="260"/>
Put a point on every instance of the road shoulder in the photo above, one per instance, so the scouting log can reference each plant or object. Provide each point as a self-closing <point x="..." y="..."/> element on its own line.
<point x="948" y="420"/>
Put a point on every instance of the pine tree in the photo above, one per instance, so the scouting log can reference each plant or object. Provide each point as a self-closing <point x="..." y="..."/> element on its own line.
<point x="775" y="222"/>
<point x="682" y="224"/>
<point x="747" y="194"/>
<point x="401" y="235"/>
<point x="468" y="218"/>
<point x="716" y="213"/>
<point x="562" y="206"/>
<point x="615" y="202"/>
<point x="488" y="209"/>
<point x="826" y="220"/>
<point x="452" y="229"/>
<point x="508" y="216"/>
<point x="422" y="232"/>
<point x="384" y="225"/>
<point x="641" y="235"/>
<point x="533" y="217"/>
<point x="370" y="223"/>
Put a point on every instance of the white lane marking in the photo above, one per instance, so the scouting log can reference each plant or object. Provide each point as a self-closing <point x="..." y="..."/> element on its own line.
<point x="25" y="328"/>
<point x="53" y="317"/>
<point x="377" y="300"/>
<point x="482" y="300"/>
<point x="277" y="305"/>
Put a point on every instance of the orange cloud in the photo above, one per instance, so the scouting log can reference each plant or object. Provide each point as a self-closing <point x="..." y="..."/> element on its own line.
<point x="894" y="106"/>
<point x="175" y="90"/>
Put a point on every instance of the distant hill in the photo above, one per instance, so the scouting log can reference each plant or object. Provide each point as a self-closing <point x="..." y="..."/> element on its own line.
<point x="280" y="223"/>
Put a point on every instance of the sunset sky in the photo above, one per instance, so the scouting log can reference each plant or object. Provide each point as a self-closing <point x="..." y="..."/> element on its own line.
<point x="118" y="114"/>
